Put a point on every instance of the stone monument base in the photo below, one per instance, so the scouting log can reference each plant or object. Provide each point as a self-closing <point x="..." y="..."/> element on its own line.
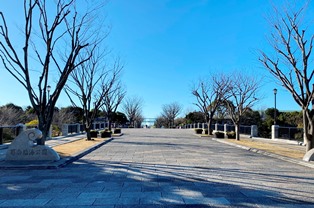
<point x="23" y="148"/>
<point x="309" y="156"/>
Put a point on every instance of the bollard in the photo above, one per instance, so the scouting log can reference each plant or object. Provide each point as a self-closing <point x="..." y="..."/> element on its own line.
<point x="274" y="131"/>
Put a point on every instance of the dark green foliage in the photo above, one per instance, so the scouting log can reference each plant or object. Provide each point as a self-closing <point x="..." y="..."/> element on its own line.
<point x="198" y="131"/>
<point x="219" y="134"/>
<point x="251" y="117"/>
<point x="119" y="118"/>
<point x="231" y="135"/>
<point x="195" y="117"/>
<point x="206" y="131"/>
<point x="94" y="134"/>
<point x="77" y="112"/>
<point x="117" y="131"/>
<point x="105" y="134"/>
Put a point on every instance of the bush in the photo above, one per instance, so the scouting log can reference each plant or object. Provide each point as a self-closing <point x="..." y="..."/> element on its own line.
<point x="56" y="131"/>
<point x="8" y="135"/>
<point x="105" y="134"/>
<point x="117" y="131"/>
<point x="231" y="134"/>
<point x="219" y="134"/>
<point x="32" y="123"/>
<point x="198" y="131"/>
<point x="94" y="134"/>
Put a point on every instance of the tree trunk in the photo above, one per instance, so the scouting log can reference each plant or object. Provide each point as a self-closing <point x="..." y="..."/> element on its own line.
<point x="237" y="131"/>
<point x="109" y="124"/>
<point x="308" y="129"/>
<point x="209" y="127"/>
<point x="88" y="136"/>
<point x="87" y="130"/>
<point x="44" y="127"/>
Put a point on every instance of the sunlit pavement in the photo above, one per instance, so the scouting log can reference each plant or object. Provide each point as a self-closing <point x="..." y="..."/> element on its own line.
<point x="162" y="168"/>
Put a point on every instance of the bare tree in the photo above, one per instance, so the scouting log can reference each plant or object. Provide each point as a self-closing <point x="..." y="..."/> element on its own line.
<point x="91" y="82"/>
<point x="112" y="100"/>
<point x="170" y="112"/>
<point x="291" y="63"/>
<point x="132" y="108"/>
<point x="240" y="97"/>
<point x="10" y="115"/>
<point x="160" y="122"/>
<point x="65" y="116"/>
<point x="209" y="95"/>
<point x="139" y="118"/>
<point x="47" y="32"/>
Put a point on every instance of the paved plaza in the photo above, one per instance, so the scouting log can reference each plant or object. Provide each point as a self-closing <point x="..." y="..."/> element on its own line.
<point x="162" y="168"/>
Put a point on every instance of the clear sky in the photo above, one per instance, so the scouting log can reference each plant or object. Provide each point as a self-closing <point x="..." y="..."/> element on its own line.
<point x="167" y="45"/>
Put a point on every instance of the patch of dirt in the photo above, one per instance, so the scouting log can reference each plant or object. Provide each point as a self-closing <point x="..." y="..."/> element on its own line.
<point x="292" y="151"/>
<point x="72" y="148"/>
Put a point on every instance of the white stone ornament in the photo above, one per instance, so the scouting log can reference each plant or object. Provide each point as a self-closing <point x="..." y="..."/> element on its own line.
<point x="24" y="148"/>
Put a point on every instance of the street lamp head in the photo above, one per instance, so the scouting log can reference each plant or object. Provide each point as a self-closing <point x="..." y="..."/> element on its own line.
<point x="48" y="88"/>
<point x="275" y="91"/>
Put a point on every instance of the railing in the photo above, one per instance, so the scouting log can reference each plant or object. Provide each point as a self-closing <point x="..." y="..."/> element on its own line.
<point x="245" y="130"/>
<point x="248" y="130"/>
<point x="8" y="133"/>
<point x="79" y="128"/>
<point x="291" y="133"/>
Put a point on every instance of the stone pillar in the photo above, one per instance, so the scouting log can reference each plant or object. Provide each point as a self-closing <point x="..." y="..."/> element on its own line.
<point x="216" y="126"/>
<point x="225" y="130"/>
<point x="274" y="131"/>
<point x="65" y="130"/>
<point x="254" y="131"/>
<point x="78" y="128"/>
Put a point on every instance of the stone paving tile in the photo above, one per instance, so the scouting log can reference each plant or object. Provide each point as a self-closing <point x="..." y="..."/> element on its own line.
<point x="165" y="168"/>
<point x="24" y="202"/>
<point x="99" y="195"/>
<point x="71" y="201"/>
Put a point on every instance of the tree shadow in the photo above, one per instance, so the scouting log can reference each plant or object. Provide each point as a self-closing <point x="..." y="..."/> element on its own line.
<point x="147" y="184"/>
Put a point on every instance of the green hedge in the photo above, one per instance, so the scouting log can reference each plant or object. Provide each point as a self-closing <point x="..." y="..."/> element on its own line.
<point x="198" y="131"/>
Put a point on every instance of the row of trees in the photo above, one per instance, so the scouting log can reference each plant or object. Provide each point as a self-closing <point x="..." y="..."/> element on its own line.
<point x="11" y="114"/>
<point x="264" y="119"/>
<point x="64" y="41"/>
<point x="226" y="95"/>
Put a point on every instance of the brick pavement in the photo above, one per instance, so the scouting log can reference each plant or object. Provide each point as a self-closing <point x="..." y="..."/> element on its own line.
<point x="162" y="168"/>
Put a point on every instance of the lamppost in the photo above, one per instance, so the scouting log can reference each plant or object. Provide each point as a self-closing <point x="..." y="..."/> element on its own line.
<point x="275" y="93"/>
<point x="48" y="90"/>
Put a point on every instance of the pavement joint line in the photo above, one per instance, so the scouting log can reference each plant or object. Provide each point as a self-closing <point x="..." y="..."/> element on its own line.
<point x="284" y="158"/>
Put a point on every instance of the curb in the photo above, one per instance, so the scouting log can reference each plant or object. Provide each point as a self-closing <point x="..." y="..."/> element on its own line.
<point x="52" y="165"/>
<point x="262" y="152"/>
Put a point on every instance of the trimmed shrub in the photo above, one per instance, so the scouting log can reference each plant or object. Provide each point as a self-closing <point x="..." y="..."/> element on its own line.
<point x="94" y="134"/>
<point x="198" y="131"/>
<point x="231" y="135"/>
<point x="105" y="134"/>
<point x="219" y="134"/>
<point x="117" y="131"/>
<point x="206" y="131"/>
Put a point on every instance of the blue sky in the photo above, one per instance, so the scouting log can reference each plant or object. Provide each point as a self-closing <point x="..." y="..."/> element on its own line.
<point x="167" y="45"/>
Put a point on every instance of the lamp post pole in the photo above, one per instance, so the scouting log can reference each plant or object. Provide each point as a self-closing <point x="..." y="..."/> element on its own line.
<point x="48" y="90"/>
<point x="275" y="112"/>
